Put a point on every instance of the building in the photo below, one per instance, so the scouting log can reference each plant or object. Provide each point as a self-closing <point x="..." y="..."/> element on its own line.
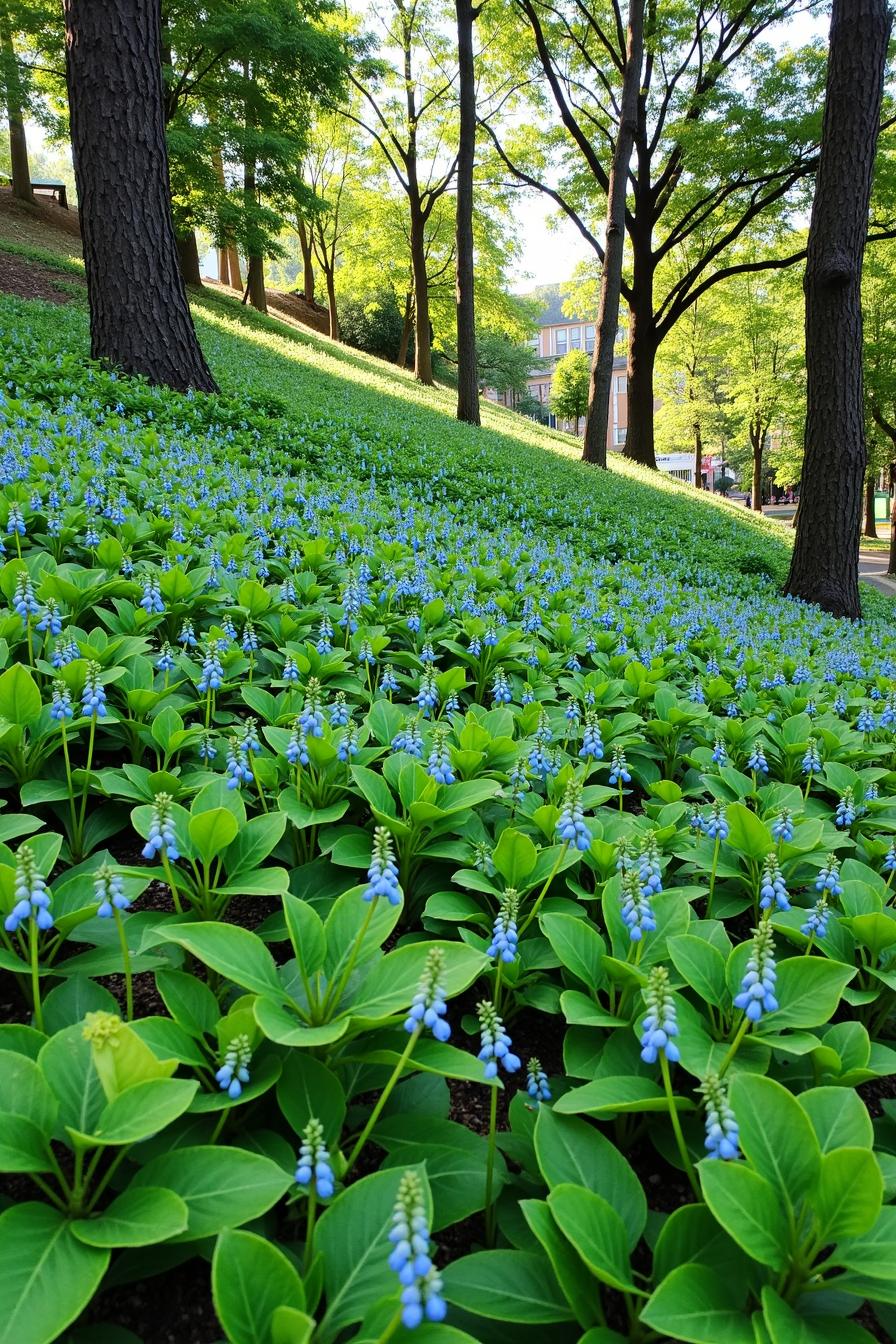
<point x="557" y="335"/>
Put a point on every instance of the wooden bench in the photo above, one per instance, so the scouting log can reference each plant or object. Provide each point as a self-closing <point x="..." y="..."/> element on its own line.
<point x="49" y="186"/>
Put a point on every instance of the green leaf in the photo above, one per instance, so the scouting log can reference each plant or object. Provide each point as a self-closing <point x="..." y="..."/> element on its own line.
<point x="848" y="1194"/>
<point x="308" y="1088"/>
<point x="574" y="1280"/>
<point x="352" y="1235"/>
<point x="24" y="1091"/>
<point x="596" y="1231"/>
<point x="19" y="697"/>
<point x="257" y="838"/>
<point x="23" y="1146"/>
<point x="284" y="1026"/>
<point x="808" y="990"/>
<point x="222" y="1187"/>
<point x="696" y="1305"/>
<point x="138" y="1217"/>
<point x="620" y="1095"/>
<point x="570" y="1151"/>
<point x="701" y="964"/>
<point x="289" y="1326"/>
<point x="211" y="832"/>
<point x="393" y="981"/>
<point x="578" y="945"/>
<point x="189" y="1001"/>
<point x="251" y="1278"/>
<point x="455" y="1161"/>
<point x="691" y="1235"/>
<point x="514" y="1286"/>
<point x="142" y="1110"/>
<point x="873" y="1254"/>
<point x="48" y="1275"/>
<point x="749" y="1208"/>
<point x="233" y="952"/>
<point x="514" y="857"/>
<point x="747" y="834"/>
<point x="66" y="1062"/>
<point x="839" y="1117"/>
<point x="776" y="1135"/>
<point x="786" y="1326"/>
<point x="306" y="933"/>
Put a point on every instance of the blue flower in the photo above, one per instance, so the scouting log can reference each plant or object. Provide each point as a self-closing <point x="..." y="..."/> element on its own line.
<point x="572" y="828"/>
<point x="865" y="722"/>
<point x="537" y="1081"/>
<point x="501" y="692"/>
<point x="757" y="988"/>
<point x="428" y="1006"/>
<point x="314" y="1161"/>
<point x="721" y="1125"/>
<point x="716" y="824"/>
<point x="388" y="682"/>
<point x="61" y="707"/>
<point x="592" y="743"/>
<point x="637" y="912"/>
<point x="812" y="759"/>
<point x="421" y="1297"/>
<point x="829" y="877"/>
<point x="238" y="770"/>
<point x="50" y="619"/>
<point x="494" y="1041"/>
<point x="889" y="864"/>
<point x="30" y="893"/>
<point x="846" y="810"/>
<point x="165" y="661"/>
<point x="782" y="826"/>
<point x="297" y="746"/>
<point x="348" y="743"/>
<point x="151" y="601"/>
<point x="649" y="871"/>
<point x="382" y="875"/>
<point x="756" y="760"/>
<point x="427" y="696"/>
<point x="212" y="678"/>
<point x="772" y="888"/>
<point x="438" y="766"/>
<point x="161" y="829"/>
<point x="339" y="711"/>
<point x="233" y="1074"/>
<point x="108" y="888"/>
<point x="719" y="754"/>
<point x="504" y="930"/>
<point x="409" y="739"/>
<point x="660" y="1025"/>
<point x="817" y="919"/>
<point x="619" y="768"/>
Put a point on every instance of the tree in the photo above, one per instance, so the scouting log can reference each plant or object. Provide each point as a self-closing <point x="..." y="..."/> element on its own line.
<point x="569" y="386"/>
<point x="594" y="448"/>
<point x="402" y="102"/>
<point x="13" y="98"/>
<point x="706" y="149"/>
<point x="695" y="407"/>
<point x="329" y="162"/>
<point x="879" y="374"/>
<point x="824" y="567"/>
<point x="467" y="378"/>
<point x="139" y="318"/>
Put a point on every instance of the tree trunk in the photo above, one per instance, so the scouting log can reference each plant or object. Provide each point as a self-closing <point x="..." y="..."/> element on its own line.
<point x="757" y="442"/>
<point x="698" y="453"/>
<point x="255" y="283"/>
<point x="223" y="266"/>
<point x="467" y="375"/>
<point x="870" y="526"/>
<point x="228" y="257"/>
<point x="639" y="438"/>
<point x="233" y="266"/>
<point x="139" y="317"/>
<point x="422" y="347"/>
<point x="188" y="252"/>
<point x="402" y="357"/>
<point x="254" y="256"/>
<point x="601" y="384"/>
<point x="331" y="304"/>
<point x="18" y="143"/>
<point x="307" y="264"/>
<point x="825" y="563"/>
<point x="891" y="566"/>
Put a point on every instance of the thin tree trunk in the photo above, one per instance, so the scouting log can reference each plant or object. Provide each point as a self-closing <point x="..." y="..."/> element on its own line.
<point x="422" y="348"/>
<point x="331" y="304"/>
<point x="698" y="452"/>
<point x="228" y="257"/>
<point x="223" y="266"/>
<point x="757" y="442"/>
<point x="403" y="345"/>
<point x="188" y="252"/>
<point x="254" y="256"/>
<point x="307" y="263"/>
<point x="824" y="568"/>
<point x="870" y="527"/>
<point x="139" y="317"/>
<point x="891" y="566"/>
<point x="255" y="283"/>
<point x="467" y="375"/>
<point x="233" y="266"/>
<point x="18" y="142"/>
<point x="601" y="383"/>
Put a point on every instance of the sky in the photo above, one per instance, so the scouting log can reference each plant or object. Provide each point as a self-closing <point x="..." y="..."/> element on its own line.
<point x="550" y="255"/>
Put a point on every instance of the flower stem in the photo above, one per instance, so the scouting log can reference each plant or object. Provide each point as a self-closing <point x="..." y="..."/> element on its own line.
<point x="309" y="1227"/>
<point x="175" y="895"/>
<point x="335" y="990"/>
<point x="89" y="766"/>
<point x="126" y="959"/>
<point x="712" y="876"/>
<point x="383" y="1098"/>
<point x="490" y="1168"/>
<point x="735" y="1045"/>
<point x="676" y="1125"/>
<point x="35" y="975"/>
<point x="544" y="891"/>
<point x="390" y="1328"/>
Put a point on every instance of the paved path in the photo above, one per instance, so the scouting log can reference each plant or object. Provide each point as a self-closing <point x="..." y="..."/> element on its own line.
<point x="873" y="569"/>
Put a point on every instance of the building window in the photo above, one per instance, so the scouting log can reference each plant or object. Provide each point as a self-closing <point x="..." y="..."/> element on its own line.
<point x="575" y="337"/>
<point x="560" y="336"/>
<point x="621" y="382"/>
<point x="619" y="435"/>
<point x="681" y="474"/>
<point x="533" y="342"/>
<point x="589" y="339"/>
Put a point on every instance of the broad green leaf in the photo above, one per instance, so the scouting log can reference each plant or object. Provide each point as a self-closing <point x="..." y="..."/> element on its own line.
<point x="626" y="1093"/>
<point x="222" y="1187"/>
<point x="189" y="1001"/>
<point x="514" y="1286"/>
<point x="570" y="1151"/>
<point x="251" y="1278"/>
<point x="808" y="990"/>
<point x="701" y="964"/>
<point x="839" y="1117"/>
<point x="695" y="1305"/>
<point x="455" y="1160"/>
<point x="142" y="1110"/>
<point x="596" y="1231"/>
<point x="747" y="834"/>
<point x="306" y="933"/>
<point x="19" y="697"/>
<point x="749" y="1208"/>
<point x="776" y="1135"/>
<point x="211" y="832"/>
<point x="847" y="1195"/>
<point x="138" y="1217"/>
<point x="578" y="945"/>
<point x="24" y="1091"/>
<point x="691" y="1235"/>
<point x="283" y="1025"/>
<point x="786" y="1326"/>
<point x="23" y="1146"/>
<point x="393" y="981"/>
<point x="48" y="1275"/>
<point x="873" y="1254"/>
<point x="306" y="1089"/>
<point x="233" y="952"/>
<point x="514" y="857"/>
<point x="574" y="1280"/>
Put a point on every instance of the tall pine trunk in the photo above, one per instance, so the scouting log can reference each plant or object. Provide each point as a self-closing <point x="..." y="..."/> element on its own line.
<point x="307" y="262"/>
<point x="139" y="317"/>
<point x="601" y="383"/>
<point x="639" y="438"/>
<point x="825" y="563"/>
<point x="467" y="373"/>
<point x="422" y="342"/>
<point x="757" y="442"/>
<point x="869" y="528"/>
<point x="188" y="252"/>
<point x="18" y="142"/>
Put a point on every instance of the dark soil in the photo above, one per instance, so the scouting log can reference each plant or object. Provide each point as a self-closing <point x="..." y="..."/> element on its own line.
<point x="32" y="280"/>
<point x="174" y="1308"/>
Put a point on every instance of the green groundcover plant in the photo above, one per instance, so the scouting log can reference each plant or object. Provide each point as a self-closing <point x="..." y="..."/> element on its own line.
<point x="440" y="909"/>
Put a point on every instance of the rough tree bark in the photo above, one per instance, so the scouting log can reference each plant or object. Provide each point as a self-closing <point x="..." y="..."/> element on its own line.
<point x="825" y="563"/>
<point x="18" y="142"/>
<point x="307" y="261"/>
<point x="422" y="344"/>
<point x="467" y="373"/>
<point x="188" y="252"/>
<point x="757" y="444"/>
<point x="601" y="384"/>
<point x="333" y="311"/>
<point x="139" y="317"/>
<point x="869" y="527"/>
